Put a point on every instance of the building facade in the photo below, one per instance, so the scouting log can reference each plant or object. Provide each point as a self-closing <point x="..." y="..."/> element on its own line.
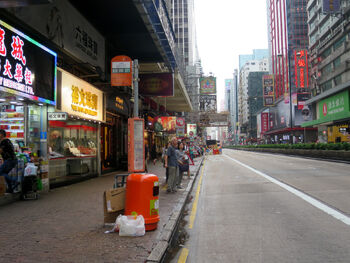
<point x="329" y="69"/>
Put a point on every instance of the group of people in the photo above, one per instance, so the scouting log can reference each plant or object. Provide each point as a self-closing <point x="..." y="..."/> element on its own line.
<point x="176" y="163"/>
<point x="175" y="160"/>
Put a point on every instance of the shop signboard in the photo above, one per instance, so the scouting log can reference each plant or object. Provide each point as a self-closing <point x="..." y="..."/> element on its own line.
<point x="192" y="130"/>
<point x="180" y="122"/>
<point x="80" y="98"/>
<point x="157" y="85"/>
<point x="167" y="124"/>
<point x="22" y="58"/>
<point x="180" y="132"/>
<point x="57" y="116"/>
<point x="301" y="98"/>
<point x="334" y="107"/>
<point x="301" y="70"/>
<point x="264" y="122"/>
<point x="64" y="25"/>
<point x="207" y="85"/>
<point x="121" y="74"/>
<point x="117" y="104"/>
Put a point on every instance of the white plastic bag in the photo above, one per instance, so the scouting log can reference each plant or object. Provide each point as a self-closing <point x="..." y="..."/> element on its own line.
<point x="130" y="226"/>
<point x="31" y="169"/>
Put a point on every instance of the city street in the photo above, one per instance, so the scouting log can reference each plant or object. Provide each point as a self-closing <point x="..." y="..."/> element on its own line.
<point x="243" y="215"/>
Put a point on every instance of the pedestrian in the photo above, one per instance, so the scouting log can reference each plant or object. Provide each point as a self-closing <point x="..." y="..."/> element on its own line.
<point x="171" y="163"/>
<point x="10" y="161"/>
<point x="165" y="149"/>
<point x="153" y="153"/>
<point x="183" y="164"/>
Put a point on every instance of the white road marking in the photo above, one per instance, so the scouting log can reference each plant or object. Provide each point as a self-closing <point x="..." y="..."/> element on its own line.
<point x="336" y="214"/>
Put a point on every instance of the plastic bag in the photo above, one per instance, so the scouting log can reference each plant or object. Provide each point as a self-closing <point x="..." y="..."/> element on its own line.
<point x="133" y="226"/>
<point x="30" y="170"/>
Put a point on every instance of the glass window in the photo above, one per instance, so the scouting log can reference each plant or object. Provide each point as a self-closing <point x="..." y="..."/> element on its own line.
<point x="337" y="80"/>
<point x="336" y="62"/>
<point x="339" y="43"/>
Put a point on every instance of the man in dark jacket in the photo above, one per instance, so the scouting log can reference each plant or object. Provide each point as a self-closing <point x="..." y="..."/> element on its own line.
<point x="10" y="160"/>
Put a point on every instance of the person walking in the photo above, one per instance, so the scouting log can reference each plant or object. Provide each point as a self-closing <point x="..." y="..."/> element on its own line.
<point x="165" y="149"/>
<point x="153" y="153"/>
<point x="10" y="161"/>
<point x="183" y="164"/>
<point x="171" y="164"/>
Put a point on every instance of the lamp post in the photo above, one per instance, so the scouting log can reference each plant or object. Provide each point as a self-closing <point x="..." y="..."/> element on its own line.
<point x="290" y="99"/>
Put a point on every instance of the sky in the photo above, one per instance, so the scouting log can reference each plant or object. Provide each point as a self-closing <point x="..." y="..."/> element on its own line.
<point x="226" y="29"/>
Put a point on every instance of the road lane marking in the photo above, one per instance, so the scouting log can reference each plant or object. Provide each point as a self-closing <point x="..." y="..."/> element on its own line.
<point x="195" y="203"/>
<point x="183" y="256"/>
<point x="336" y="214"/>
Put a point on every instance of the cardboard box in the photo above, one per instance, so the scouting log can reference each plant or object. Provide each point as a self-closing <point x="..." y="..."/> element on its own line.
<point x="2" y="185"/>
<point x="113" y="204"/>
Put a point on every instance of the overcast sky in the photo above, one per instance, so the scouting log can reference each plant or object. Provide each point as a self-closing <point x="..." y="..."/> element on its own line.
<point x="226" y="29"/>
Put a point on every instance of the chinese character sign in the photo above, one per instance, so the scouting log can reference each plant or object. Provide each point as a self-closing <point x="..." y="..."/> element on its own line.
<point x="301" y="69"/>
<point x="22" y="58"/>
<point x="264" y="122"/>
<point x="268" y="90"/>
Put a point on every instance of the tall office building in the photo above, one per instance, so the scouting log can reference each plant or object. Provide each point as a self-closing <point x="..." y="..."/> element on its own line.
<point x="288" y="48"/>
<point x="183" y="21"/>
<point x="258" y="54"/>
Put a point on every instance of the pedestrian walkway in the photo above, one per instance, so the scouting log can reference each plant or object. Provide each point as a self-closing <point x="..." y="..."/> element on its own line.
<point x="66" y="225"/>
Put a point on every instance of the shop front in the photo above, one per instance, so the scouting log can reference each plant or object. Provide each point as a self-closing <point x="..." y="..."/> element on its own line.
<point x="333" y="118"/>
<point x="27" y="93"/>
<point x="73" y="135"/>
<point x="114" y="134"/>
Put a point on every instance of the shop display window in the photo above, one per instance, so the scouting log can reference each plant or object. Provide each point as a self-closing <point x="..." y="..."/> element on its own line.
<point x="72" y="139"/>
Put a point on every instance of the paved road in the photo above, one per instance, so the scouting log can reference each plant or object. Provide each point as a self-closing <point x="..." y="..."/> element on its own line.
<point x="245" y="216"/>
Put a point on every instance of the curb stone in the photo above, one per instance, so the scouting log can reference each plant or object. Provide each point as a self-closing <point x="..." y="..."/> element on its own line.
<point x="159" y="251"/>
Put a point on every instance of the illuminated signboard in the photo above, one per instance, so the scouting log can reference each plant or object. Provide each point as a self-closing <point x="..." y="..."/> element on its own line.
<point x="27" y="68"/>
<point x="80" y="98"/>
<point x="207" y="85"/>
<point x="301" y="69"/>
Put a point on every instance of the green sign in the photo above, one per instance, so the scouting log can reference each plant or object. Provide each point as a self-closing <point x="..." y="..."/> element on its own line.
<point x="335" y="107"/>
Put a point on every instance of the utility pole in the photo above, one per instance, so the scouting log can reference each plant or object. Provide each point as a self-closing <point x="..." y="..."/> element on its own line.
<point x="135" y="81"/>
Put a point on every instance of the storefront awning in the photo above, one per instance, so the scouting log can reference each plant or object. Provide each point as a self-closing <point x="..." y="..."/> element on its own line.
<point x="327" y="120"/>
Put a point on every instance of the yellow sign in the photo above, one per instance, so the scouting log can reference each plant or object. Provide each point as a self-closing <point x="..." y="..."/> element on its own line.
<point x="84" y="101"/>
<point x="119" y="103"/>
<point x="80" y="98"/>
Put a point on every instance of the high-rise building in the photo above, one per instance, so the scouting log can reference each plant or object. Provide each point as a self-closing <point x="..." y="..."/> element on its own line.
<point x="258" y="54"/>
<point x="329" y="27"/>
<point x="183" y="20"/>
<point x="288" y="44"/>
<point x="243" y="107"/>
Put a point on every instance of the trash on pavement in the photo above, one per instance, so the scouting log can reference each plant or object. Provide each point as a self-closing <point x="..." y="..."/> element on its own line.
<point x="113" y="204"/>
<point x="133" y="226"/>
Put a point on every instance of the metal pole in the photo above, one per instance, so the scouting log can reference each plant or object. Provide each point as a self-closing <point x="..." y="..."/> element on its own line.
<point x="136" y="87"/>
<point x="290" y="99"/>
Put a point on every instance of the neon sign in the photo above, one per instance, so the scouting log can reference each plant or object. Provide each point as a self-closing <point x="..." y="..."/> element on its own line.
<point x="301" y="69"/>
<point x="27" y="68"/>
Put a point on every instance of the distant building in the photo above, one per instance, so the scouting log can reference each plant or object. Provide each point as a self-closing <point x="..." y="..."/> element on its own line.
<point x="258" y="54"/>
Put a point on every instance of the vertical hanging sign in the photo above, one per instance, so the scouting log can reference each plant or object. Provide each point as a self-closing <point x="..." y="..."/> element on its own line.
<point x="301" y="77"/>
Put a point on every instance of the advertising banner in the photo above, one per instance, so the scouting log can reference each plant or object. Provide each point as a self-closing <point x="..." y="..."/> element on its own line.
<point x="180" y="132"/>
<point x="207" y="103"/>
<point x="334" y="107"/>
<point x="60" y="22"/>
<point x="157" y="85"/>
<point x="264" y="122"/>
<point x="167" y="124"/>
<point x="302" y="116"/>
<point x="302" y="97"/>
<point x="331" y="7"/>
<point x="207" y="85"/>
<point x="191" y="130"/>
<point x="27" y="68"/>
<point x="268" y="90"/>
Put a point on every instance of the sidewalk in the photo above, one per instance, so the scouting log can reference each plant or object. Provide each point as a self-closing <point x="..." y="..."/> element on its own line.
<point x="66" y="225"/>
